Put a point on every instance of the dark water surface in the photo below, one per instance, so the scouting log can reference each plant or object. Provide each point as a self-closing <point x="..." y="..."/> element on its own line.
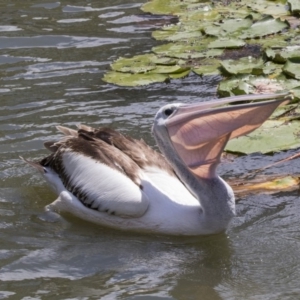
<point x="52" y="58"/>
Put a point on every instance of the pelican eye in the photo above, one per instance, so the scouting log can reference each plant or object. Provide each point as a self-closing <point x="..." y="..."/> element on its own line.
<point x="168" y="112"/>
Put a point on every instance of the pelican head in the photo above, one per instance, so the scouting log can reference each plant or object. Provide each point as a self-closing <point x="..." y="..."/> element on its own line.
<point x="196" y="134"/>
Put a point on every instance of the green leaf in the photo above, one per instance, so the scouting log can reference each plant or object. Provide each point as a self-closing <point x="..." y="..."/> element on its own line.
<point x="162" y="60"/>
<point x="272" y="136"/>
<point x="250" y="84"/>
<point x="176" y="35"/>
<point x="207" y="67"/>
<point x="187" y="50"/>
<point x="199" y="17"/>
<point x="292" y="68"/>
<point x="226" y="43"/>
<point x="275" y="41"/>
<point x="167" y="7"/>
<point x="172" y="7"/>
<point x="282" y="111"/>
<point x="234" y="10"/>
<point x="126" y="79"/>
<point x="170" y="69"/>
<point x="295" y="5"/>
<point x="198" y="11"/>
<point x="282" y="55"/>
<point x="264" y="27"/>
<point x="228" y="27"/>
<point x="165" y="33"/>
<point x="272" y="69"/>
<point x="266" y="7"/>
<point x="226" y="87"/>
<point x="245" y="65"/>
<point x="179" y="75"/>
<point x="136" y="64"/>
<point x="296" y="93"/>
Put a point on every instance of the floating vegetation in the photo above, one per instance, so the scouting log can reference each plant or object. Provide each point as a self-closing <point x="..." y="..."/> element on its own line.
<point x="273" y="136"/>
<point x="253" y="37"/>
<point x="253" y="45"/>
<point x="144" y="69"/>
<point x="264" y="184"/>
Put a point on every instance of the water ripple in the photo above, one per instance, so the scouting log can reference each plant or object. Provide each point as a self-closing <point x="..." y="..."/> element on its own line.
<point x="59" y="42"/>
<point x="51" y="5"/>
<point x="67" y="21"/>
<point x="53" y="78"/>
<point x="9" y="28"/>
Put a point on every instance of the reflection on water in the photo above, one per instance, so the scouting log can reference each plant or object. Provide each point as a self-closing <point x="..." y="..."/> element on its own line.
<point x="52" y="58"/>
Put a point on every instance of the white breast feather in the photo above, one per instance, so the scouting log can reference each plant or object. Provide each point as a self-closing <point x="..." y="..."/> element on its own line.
<point x="171" y="186"/>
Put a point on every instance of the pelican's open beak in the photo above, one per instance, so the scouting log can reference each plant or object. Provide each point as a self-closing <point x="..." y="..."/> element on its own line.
<point x="199" y="132"/>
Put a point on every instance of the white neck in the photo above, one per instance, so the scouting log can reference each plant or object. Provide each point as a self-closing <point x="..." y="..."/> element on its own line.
<point x="214" y="194"/>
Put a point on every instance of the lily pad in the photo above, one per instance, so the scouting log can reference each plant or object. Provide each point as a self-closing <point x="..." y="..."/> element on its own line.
<point x="170" y="69"/>
<point x="209" y="29"/>
<point x="180" y="75"/>
<point x="282" y="111"/>
<point x="208" y="67"/>
<point x="200" y="10"/>
<point x="234" y="10"/>
<point x="230" y="27"/>
<point x="272" y="69"/>
<point x="264" y="27"/>
<point x="174" y="7"/>
<point x="166" y="7"/>
<point x="282" y="55"/>
<point x="228" y="87"/>
<point x="292" y="68"/>
<point x="249" y="84"/>
<point x="274" y="42"/>
<point x="295" y="5"/>
<point x="273" y="8"/>
<point x="272" y="136"/>
<point x="205" y="14"/>
<point x="165" y="33"/>
<point x="163" y="60"/>
<point x="245" y="65"/>
<point x="178" y="32"/>
<point x="173" y="36"/>
<point x="127" y="79"/>
<point x="187" y="51"/>
<point x="136" y="64"/>
<point x="226" y="43"/>
<point x="178" y="50"/>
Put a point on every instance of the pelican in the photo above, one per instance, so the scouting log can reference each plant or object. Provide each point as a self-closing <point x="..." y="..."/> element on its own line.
<point x="107" y="178"/>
